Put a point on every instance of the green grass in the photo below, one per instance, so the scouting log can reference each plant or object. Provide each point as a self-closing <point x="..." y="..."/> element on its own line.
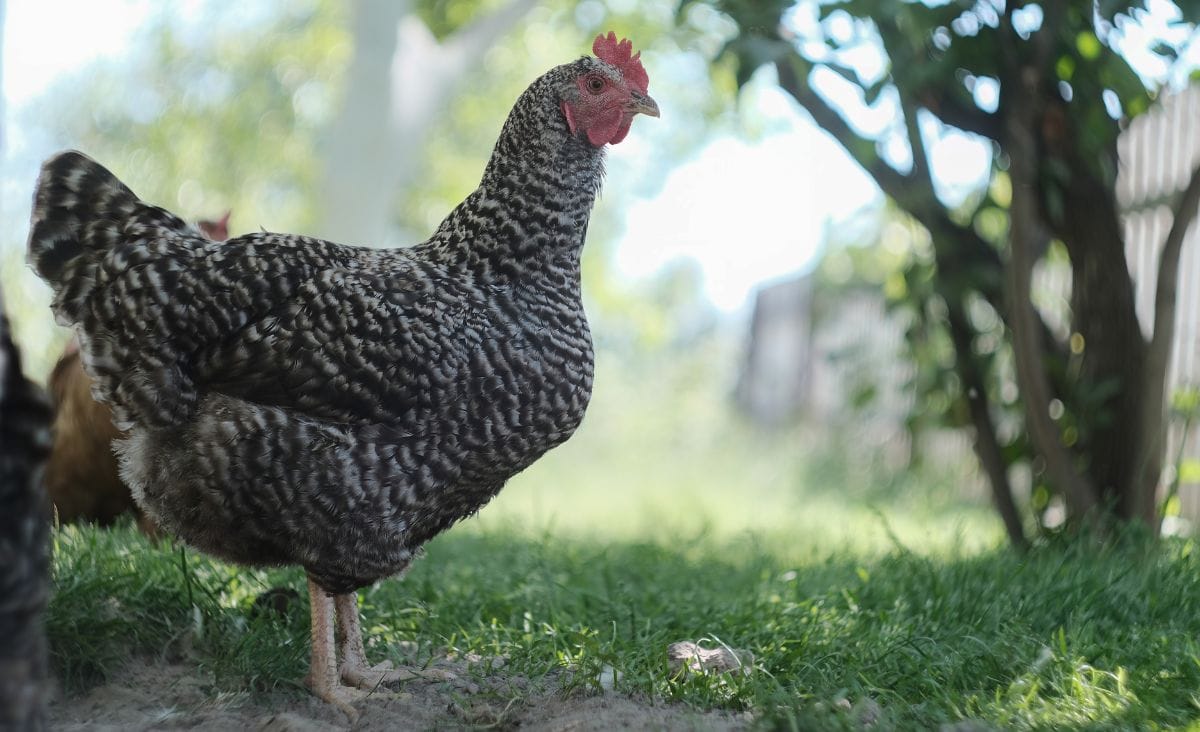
<point x="1072" y="636"/>
<point x="845" y="582"/>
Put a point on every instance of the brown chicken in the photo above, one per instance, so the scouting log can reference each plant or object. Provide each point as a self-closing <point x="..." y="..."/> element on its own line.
<point x="81" y="474"/>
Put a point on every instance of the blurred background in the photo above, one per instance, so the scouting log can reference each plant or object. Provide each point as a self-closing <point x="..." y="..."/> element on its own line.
<point x="777" y="349"/>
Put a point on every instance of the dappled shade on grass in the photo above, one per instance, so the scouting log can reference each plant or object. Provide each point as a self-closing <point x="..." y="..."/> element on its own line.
<point x="1069" y="636"/>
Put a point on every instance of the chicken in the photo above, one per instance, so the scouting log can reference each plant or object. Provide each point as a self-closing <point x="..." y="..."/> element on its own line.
<point x="24" y="543"/>
<point x="294" y="401"/>
<point x="81" y="473"/>
<point x="215" y="229"/>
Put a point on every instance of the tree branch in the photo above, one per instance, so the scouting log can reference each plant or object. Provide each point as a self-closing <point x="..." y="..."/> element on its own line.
<point x="913" y="191"/>
<point x="1020" y="126"/>
<point x="467" y="44"/>
<point x="954" y="244"/>
<point x="916" y="144"/>
<point x="401" y="79"/>
<point x="1167" y="287"/>
<point x="895" y="184"/>
<point x="1158" y="354"/>
<point x="359" y="145"/>
<point x="986" y="444"/>
<point x="943" y="230"/>
<point x="953" y="112"/>
<point x="944" y="101"/>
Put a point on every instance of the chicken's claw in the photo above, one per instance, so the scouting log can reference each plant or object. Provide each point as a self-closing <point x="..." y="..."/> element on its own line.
<point x="384" y="675"/>
<point x="342" y="697"/>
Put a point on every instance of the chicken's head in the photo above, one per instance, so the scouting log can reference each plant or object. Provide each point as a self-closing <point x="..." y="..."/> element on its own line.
<point x="607" y="91"/>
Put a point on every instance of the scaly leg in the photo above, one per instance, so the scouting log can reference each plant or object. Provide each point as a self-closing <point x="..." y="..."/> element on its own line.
<point x="354" y="668"/>
<point x="322" y="677"/>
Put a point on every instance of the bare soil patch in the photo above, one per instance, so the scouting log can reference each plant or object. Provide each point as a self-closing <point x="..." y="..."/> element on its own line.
<point x="152" y="695"/>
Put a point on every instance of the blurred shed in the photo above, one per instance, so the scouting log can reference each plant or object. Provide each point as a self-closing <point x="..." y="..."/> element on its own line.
<point x="773" y="384"/>
<point x="844" y="368"/>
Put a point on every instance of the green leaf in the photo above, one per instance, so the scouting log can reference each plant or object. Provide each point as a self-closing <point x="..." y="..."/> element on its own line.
<point x="1186" y="401"/>
<point x="1065" y="68"/>
<point x="1172" y="506"/>
<point x="1088" y="45"/>
<point x="1189" y="471"/>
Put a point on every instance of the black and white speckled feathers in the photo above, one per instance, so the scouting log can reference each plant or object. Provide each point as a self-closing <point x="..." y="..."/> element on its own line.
<point x="24" y="543"/>
<point x="292" y="400"/>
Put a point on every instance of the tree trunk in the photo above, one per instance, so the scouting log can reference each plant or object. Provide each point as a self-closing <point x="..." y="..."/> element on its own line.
<point x="1152" y="445"/>
<point x="1124" y="434"/>
<point x="1114" y="353"/>
<point x="356" y="191"/>
<point x="985" y="444"/>
<point x="1021" y="113"/>
<point x="400" y="82"/>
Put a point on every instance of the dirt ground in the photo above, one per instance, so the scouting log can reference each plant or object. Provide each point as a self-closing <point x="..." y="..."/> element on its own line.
<point x="150" y="695"/>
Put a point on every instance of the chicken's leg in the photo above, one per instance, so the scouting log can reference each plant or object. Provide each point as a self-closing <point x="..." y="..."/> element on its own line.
<point x="322" y="677"/>
<point x="353" y="666"/>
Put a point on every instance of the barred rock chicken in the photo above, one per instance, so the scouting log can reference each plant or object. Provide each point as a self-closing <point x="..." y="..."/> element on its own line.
<point x="294" y="401"/>
<point x="24" y="543"/>
<point x="81" y="473"/>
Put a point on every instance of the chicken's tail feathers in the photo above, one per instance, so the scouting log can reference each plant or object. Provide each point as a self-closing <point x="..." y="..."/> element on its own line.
<point x="80" y="209"/>
<point x="77" y="205"/>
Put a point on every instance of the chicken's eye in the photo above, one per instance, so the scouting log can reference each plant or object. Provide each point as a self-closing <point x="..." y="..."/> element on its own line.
<point x="595" y="84"/>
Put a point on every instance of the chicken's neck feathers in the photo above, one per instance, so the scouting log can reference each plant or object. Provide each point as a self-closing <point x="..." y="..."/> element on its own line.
<point x="531" y="209"/>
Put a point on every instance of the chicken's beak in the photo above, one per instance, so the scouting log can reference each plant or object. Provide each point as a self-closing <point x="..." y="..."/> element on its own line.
<point x="643" y="104"/>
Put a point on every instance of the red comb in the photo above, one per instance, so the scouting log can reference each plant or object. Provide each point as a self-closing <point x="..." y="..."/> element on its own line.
<point x="621" y="55"/>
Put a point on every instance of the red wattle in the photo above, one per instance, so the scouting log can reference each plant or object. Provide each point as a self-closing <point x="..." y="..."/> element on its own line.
<point x="622" y="131"/>
<point x="607" y="129"/>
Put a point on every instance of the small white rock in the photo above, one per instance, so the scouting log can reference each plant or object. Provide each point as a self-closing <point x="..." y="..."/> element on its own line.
<point x="609" y="677"/>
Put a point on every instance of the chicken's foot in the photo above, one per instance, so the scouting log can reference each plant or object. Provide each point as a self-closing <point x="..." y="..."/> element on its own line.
<point x="322" y="677"/>
<point x="354" y="668"/>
